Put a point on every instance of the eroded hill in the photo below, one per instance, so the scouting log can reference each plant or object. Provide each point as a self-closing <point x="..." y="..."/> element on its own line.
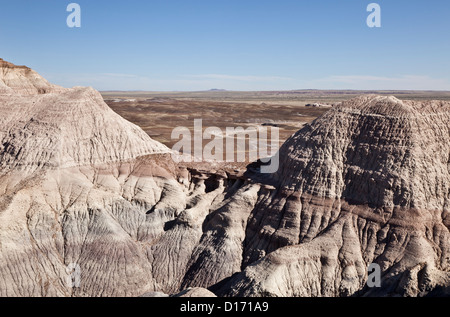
<point x="368" y="182"/>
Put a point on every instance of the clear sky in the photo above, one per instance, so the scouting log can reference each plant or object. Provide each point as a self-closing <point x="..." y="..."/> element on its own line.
<point x="231" y="44"/>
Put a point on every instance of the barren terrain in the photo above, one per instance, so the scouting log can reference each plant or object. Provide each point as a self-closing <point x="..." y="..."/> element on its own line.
<point x="90" y="205"/>
<point x="158" y="113"/>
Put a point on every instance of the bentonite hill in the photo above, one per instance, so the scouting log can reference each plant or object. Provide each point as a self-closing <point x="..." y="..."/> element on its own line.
<point x="81" y="187"/>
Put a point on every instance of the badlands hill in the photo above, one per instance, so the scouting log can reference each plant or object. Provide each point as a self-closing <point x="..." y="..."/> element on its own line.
<point x="23" y="80"/>
<point x="368" y="182"/>
<point x="82" y="188"/>
<point x="43" y="125"/>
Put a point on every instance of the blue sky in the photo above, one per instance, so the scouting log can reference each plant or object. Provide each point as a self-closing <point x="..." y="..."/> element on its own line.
<point x="231" y="44"/>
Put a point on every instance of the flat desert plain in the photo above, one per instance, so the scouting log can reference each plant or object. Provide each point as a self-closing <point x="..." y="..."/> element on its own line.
<point x="158" y="113"/>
